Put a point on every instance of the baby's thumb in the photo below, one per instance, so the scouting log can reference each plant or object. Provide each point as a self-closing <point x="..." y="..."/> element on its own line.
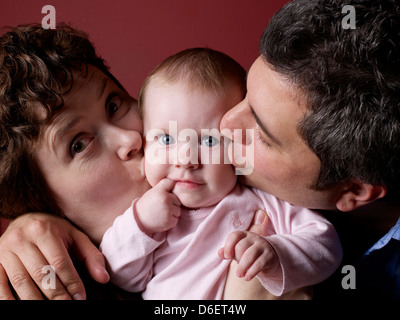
<point x="260" y="223"/>
<point x="165" y="184"/>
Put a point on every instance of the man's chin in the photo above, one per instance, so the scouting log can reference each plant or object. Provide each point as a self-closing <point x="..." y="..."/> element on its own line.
<point x="251" y="181"/>
<point x="246" y="180"/>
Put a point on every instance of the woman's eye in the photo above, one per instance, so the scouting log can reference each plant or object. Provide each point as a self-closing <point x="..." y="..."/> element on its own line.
<point x="113" y="104"/>
<point x="209" y="141"/>
<point x="79" y="145"/>
<point x="112" y="108"/>
<point x="166" y="139"/>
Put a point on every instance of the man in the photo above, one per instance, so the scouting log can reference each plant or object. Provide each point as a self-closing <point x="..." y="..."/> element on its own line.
<point x="325" y="106"/>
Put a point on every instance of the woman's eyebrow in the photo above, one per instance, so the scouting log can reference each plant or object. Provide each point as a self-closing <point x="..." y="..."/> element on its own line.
<point x="268" y="133"/>
<point x="97" y="80"/>
<point x="103" y="87"/>
<point x="65" y="128"/>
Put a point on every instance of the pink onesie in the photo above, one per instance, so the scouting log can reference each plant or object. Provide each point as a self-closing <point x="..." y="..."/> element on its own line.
<point x="183" y="263"/>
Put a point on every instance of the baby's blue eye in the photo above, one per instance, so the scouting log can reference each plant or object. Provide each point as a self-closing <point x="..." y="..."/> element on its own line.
<point x="166" y="139"/>
<point x="209" y="141"/>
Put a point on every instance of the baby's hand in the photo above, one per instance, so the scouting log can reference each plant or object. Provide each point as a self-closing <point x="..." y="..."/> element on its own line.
<point x="252" y="252"/>
<point x="158" y="209"/>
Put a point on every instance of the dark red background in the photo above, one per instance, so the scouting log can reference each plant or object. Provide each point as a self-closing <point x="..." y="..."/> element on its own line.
<point x="134" y="36"/>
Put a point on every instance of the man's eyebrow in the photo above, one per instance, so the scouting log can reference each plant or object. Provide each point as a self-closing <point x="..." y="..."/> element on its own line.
<point x="265" y="129"/>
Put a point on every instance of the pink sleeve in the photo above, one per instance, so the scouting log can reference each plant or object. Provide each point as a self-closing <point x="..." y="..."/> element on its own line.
<point x="307" y="245"/>
<point x="129" y="252"/>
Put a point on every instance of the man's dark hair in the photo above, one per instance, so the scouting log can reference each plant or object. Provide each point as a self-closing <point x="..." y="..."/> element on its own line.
<point x="36" y="70"/>
<point x="351" y="81"/>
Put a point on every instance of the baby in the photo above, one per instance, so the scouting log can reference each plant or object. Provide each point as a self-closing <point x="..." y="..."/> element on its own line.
<point x="168" y="243"/>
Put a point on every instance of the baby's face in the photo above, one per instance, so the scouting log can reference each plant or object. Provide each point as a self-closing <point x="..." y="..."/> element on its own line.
<point x="183" y="142"/>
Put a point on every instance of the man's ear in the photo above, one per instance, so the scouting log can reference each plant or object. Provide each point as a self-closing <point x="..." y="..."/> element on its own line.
<point x="357" y="194"/>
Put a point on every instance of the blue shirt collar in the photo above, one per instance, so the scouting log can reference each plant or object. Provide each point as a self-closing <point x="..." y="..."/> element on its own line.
<point x="393" y="233"/>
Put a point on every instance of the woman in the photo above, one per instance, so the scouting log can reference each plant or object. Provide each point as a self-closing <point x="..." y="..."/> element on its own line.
<point x="45" y="72"/>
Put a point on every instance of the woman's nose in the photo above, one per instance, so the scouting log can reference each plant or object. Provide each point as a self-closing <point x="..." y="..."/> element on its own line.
<point x="234" y="123"/>
<point x="126" y="142"/>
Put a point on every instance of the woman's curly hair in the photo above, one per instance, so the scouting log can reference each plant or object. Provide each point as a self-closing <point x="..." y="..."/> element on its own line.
<point x="36" y="67"/>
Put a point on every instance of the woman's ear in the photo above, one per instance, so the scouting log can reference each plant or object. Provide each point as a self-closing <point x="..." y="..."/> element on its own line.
<point x="357" y="194"/>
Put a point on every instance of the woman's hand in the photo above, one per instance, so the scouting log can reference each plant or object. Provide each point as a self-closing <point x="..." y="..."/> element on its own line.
<point x="36" y="240"/>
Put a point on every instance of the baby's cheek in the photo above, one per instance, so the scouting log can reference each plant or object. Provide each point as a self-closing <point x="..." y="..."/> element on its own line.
<point x="155" y="172"/>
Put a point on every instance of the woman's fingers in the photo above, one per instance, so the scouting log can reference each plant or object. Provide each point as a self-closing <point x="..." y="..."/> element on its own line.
<point x="260" y="223"/>
<point x="53" y="271"/>
<point x="92" y="258"/>
<point x="5" y="291"/>
<point x="34" y="255"/>
<point x="20" y="280"/>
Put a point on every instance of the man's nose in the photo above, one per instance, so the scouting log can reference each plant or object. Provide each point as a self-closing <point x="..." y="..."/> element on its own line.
<point x="235" y="122"/>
